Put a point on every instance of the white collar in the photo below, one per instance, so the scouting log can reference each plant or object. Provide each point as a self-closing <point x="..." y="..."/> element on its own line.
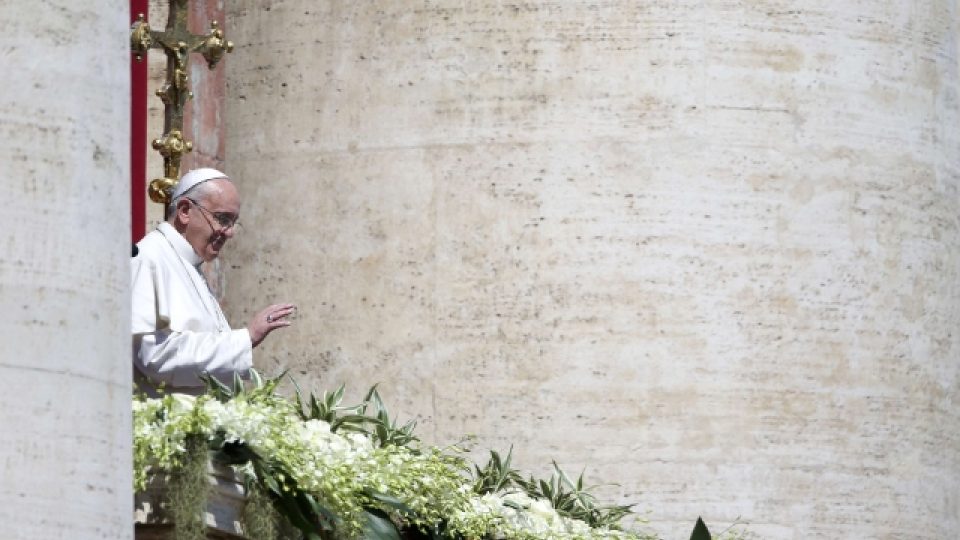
<point x="180" y="244"/>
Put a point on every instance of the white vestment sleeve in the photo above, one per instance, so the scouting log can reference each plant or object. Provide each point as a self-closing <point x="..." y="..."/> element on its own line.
<point x="175" y="338"/>
<point x="178" y="358"/>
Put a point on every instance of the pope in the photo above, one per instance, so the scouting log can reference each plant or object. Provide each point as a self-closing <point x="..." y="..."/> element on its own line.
<point x="179" y="330"/>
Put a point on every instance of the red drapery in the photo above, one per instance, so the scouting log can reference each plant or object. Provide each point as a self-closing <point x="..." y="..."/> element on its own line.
<point x="138" y="133"/>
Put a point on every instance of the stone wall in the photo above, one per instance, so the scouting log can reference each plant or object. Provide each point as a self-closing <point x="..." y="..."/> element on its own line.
<point x="64" y="271"/>
<point x="709" y="250"/>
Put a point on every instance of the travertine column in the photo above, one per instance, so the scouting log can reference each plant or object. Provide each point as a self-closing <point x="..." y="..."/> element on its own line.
<point x="65" y="439"/>
<point x="708" y="249"/>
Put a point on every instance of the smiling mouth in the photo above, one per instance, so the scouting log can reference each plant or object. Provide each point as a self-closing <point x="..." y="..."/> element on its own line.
<point x="218" y="242"/>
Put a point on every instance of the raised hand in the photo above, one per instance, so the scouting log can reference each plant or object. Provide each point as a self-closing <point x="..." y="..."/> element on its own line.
<point x="269" y="319"/>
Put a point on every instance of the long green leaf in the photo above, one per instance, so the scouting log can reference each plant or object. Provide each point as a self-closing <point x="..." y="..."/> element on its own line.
<point x="391" y="501"/>
<point x="379" y="526"/>
<point x="700" y="531"/>
<point x="256" y="379"/>
<point x="220" y="391"/>
<point x="237" y="384"/>
<point x="298" y="398"/>
<point x="337" y="395"/>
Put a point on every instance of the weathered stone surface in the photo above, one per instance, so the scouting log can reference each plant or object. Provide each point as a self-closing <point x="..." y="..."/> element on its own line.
<point x="710" y="250"/>
<point x="64" y="271"/>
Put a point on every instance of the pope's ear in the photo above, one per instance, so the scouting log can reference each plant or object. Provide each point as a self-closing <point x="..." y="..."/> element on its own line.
<point x="183" y="210"/>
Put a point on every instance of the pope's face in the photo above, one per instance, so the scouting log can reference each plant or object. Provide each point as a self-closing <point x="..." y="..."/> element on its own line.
<point x="204" y="231"/>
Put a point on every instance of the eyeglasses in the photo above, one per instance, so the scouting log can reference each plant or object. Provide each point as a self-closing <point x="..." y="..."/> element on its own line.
<point x="226" y="220"/>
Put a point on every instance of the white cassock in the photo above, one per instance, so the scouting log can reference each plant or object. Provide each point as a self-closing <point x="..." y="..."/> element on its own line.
<point x="179" y="330"/>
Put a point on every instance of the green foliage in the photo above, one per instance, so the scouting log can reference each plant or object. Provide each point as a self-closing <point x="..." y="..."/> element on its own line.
<point x="318" y="470"/>
<point x="370" y="417"/>
<point x="301" y="509"/>
<point x="700" y="531"/>
<point x="573" y="500"/>
<point x="497" y="475"/>
<point x="328" y="409"/>
<point x="386" y="432"/>
<point x="312" y="516"/>
<point x="379" y="526"/>
<point x="224" y="393"/>
<point x="189" y="489"/>
<point x="260" y="519"/>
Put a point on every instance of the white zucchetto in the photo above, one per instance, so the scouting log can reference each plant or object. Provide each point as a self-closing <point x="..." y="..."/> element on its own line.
<point x="194" y="177"/>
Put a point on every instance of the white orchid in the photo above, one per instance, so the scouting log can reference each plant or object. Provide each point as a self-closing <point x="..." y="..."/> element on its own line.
<point x="342" y="469"/>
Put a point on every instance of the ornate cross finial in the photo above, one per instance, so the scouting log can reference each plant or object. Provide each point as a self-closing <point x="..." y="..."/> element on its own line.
<point x="177" y="42"/>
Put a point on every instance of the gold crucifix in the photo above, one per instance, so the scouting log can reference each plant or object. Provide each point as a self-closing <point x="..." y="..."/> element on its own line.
<point x="177" y="42"/>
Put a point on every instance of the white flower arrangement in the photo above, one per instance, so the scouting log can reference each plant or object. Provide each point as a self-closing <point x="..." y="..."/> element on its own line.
<point x="338" y="472"/>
